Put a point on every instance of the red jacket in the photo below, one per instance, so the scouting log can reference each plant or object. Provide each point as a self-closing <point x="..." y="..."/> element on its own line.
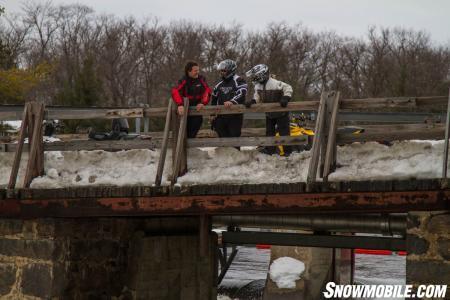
<point x="195" y="89"/>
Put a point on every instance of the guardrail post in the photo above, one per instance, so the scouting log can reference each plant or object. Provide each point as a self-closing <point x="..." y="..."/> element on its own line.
<point x="138" y="125"/>
<point x="32" y="118"/>
<point x="165" y="143"/>
<point x="447" y="129"/>
<point x="331" y="150"/>
<point x="35" y="165"/>
<point x="146" y="124"/>
<point x="18" y="154"/>
<point x="180" y="161"/>
<point x="317" y="142"/>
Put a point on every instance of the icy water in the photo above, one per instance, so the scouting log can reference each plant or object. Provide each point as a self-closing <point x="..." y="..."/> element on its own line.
<point x="246" y="277"/>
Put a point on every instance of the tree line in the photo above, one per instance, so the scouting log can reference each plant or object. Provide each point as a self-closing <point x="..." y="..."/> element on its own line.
<point x="69" y="55"/>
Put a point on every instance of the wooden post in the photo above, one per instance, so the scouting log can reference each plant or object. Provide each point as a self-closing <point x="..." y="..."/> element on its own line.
<point x="315" y="150"/>
<point x="204" y="237"/>
<point x="181" y="143"/>
<point x="330" y="156"/>
<point x="204" y="229"/>
<point x="146" y="124"/>
<point x="447" y="129"/>
<point x="325" y="131"/>
<point x="165" y="143"/>
<point x="18" y="154"/>
<point x="34" y="167"/>
<point x="40" y="111"/>
<point x="138" y="125"/>
<point x="175" y="126"/>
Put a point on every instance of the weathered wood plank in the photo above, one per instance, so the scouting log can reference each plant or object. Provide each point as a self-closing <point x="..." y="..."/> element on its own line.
<point x="447" y="129"/>
<point x="232" y="189"/>
<point x="175" y="125"/>
<point x="181" y="140"/>
<point x="371" y="133"/>
<point x="19" y="149"/>
<point x="315" y="150"/>
<point x="204" y="235"/>
<point x="419" y="104"/>
<point x="330" y="158"/>
<point x="165" y="143"/>
<point x="325" y="131"/>
<point x="155" y="143"/>
<point x="89" y="145"/>
<point x="33" y="158"/>
<point x="247" y="141"/>
<point x="394" y="133"/>
<point x="104" y="113"/>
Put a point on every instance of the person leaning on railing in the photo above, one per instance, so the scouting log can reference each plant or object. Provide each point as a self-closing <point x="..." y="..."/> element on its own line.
<point x="270" y="90"/>
<point x="231" y="90"/>
<point x="194" y="87"/>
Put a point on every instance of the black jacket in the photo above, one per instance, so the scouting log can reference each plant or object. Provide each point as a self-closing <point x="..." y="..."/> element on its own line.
<point x="233" y="89"/>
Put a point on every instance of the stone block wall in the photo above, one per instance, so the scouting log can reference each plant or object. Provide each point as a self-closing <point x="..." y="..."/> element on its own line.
<point x="428" y="247"/>
<point x="105" y="258"/>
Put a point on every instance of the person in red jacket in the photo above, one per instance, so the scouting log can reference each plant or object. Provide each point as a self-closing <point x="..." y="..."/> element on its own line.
<point x="194" y="87"/>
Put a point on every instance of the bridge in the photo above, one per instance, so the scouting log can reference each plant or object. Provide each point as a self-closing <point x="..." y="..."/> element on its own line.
<point x="147" y="241"/>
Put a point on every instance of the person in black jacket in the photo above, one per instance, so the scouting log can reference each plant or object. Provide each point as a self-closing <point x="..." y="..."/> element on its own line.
<point x="231" y="90"/>
<point x="194" y="87"/>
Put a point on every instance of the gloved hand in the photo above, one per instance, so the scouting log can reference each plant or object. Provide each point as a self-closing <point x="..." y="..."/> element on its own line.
<point x="284" y="101"/>
<point x="249" y="103"/>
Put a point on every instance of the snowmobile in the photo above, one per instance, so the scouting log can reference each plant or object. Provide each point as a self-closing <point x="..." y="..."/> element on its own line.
<point x="119" y="131"/>
<point x="298" y="127"/>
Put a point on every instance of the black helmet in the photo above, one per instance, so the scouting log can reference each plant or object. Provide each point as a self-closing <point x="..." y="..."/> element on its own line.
<point x="227" y="68"/>
<point x="259" y="73"/>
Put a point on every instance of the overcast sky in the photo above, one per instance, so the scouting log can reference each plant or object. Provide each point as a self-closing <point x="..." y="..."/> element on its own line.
<point x="348" y="17"/>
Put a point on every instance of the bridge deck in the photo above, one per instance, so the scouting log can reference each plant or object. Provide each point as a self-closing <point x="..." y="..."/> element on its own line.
<point x="293" y="198"/>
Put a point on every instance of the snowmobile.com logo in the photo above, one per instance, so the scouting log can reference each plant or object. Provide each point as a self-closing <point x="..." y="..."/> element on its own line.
<point x="347" y="291"/>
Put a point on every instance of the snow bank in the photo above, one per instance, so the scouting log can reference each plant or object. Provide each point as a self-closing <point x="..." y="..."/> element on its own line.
<point x="83" y="168"/>
<point x="285" y="271"/>
<point x="228" y="165"/>
<point x="402" y="160"/>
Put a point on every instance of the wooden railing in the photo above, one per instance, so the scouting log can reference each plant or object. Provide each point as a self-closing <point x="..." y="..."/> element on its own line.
<point x="401" y="104"/>
<point x="327" y="132"/>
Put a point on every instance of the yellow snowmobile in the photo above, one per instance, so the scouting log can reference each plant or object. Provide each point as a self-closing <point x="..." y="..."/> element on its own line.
<point x="298" y="123"/>
<point x="297" y="128"/>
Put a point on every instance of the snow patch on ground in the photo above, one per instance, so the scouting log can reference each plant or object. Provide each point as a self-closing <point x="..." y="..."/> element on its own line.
<point x="368" y="161"/>
<point x="14" y="124"/>
<point x="285" y="271"/>
<point x="45" y="139"/>
<point x="223" y="297"/>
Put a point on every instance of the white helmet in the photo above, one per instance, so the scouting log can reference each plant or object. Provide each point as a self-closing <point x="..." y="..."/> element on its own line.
<point x="259" y="73"/>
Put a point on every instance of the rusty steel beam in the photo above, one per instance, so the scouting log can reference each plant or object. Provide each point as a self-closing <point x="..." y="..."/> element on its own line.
<point x="304" y="203"/>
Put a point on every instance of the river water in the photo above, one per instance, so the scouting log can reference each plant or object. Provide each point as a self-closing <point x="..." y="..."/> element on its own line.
<point x="246" y="277"/>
